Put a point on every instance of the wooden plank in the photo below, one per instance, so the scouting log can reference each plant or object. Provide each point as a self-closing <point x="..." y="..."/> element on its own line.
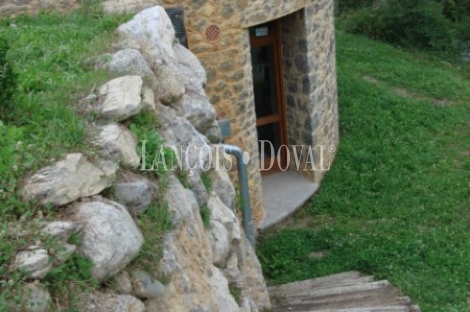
<point x="365" y="309"/>
<point x="307" y="286"/>
<point x="320" y="281"/>
<point x="388" y="296"/>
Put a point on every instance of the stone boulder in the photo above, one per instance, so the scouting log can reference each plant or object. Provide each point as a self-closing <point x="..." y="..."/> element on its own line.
<point x="150" y="31"/>
<point x="224" y="231"/>
<point x="135" y="192"/>
<point x="61" y="230"/>
<point x="34" y="298"/>
<point x="70" y="179"/>
<point x="120" y="98"/>
<point x="191" y="69"/>
<point x="33" y="262"/>
<point x="145" y="286"/>
<point x="198" y="110"/>
<point x="225" y="301"/>
<point x="191" y="146"/>
<point x="131" y="62"/>
<point x="181" y="202"/>
<point x="110" y="238"/>
<point x="255" y="286"/>
<point x="117" y="143"/>
<point x="121" y="282"/>
<point x="223" y="187"/>
<point x="63" y="253"/>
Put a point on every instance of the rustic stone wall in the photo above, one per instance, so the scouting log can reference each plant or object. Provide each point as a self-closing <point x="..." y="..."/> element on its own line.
<point x="308" y="46"/>
<point x="310" y="85"/>
<point x="14" y="7"/>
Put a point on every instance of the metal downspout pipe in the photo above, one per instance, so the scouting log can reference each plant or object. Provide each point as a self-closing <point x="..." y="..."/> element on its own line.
<point x="245" y="194"/>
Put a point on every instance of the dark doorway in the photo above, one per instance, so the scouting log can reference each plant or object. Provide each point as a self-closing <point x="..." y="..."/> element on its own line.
<point x="269" y="97"/>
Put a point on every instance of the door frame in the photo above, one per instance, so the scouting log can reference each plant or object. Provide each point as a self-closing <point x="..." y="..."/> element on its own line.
<point x="275" y="38"/>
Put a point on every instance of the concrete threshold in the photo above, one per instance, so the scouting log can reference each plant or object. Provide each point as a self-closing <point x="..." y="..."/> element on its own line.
<point x="283" y="194"/>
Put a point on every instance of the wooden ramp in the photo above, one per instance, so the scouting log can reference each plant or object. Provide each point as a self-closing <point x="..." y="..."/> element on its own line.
<point x="344" y="292"/>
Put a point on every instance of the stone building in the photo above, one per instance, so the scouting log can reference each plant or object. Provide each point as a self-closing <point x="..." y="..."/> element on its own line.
<point x="271" y="73"/>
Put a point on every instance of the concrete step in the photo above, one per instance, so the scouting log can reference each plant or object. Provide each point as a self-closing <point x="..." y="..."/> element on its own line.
<point x="283" y="194"/>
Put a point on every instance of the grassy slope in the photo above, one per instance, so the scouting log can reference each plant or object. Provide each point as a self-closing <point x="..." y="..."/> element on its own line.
<point x="42" y="123"/>
<point x="396" y="202"/>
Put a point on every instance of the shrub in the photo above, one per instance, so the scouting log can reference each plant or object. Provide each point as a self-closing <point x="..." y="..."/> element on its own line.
<point x="352" y="5"/>
<point x="420" y="24"/>
<point x="7" y="78"/>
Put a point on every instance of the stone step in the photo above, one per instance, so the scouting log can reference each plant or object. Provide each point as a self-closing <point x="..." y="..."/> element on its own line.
<point x="367" y="298"/>
<point x="336" y="280"/>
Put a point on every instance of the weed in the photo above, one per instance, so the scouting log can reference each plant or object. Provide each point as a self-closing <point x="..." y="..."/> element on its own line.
<point x="155" y="157"/>
<point x="205" y="213"/>
<point x="207" y="181"/>
<point x="41" y="123"/>
<point x="235" y="292"/>
<point x="183" y="178"/>
<point x="154" y="223"/>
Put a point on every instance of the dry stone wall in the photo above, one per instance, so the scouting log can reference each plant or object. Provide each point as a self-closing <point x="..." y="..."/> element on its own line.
<point x="218" y="35"/>
<point x="203" y="266"/>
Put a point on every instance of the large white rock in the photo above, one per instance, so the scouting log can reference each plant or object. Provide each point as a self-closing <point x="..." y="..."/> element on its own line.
<point x="131" y="62"/>
<point x="255" y="286"/>
<point x="190" y="67"/>
<point x="118" y="144"/>
<point x="33" y="262"/>
<point x="151" y="31"/>
<point x="181" y="202"/>
<point x="120" y="98"/>
<point x="61" y="230"/>
<point x="226" y="302"/>
<point x="110" y="237"/>
<point x="70" y="179"/>
<point x="169" y="87"/>
<point x="223" y="187"/>
<point x="63" y="253"/>
<point x="218" y="234"/>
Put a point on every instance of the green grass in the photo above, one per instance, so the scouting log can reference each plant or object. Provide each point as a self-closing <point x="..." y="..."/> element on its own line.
<point x="396" y="201"/>
<point x="44" y="121"/>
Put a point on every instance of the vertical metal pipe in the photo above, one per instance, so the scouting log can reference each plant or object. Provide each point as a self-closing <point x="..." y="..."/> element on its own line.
<point x="245" y="194"/>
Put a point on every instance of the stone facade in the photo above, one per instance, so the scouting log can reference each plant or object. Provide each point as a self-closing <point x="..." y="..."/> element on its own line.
<point x="218" y="34"/>
<point x="309" y="70"/>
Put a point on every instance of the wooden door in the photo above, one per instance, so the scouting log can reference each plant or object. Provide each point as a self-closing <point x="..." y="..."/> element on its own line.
<point x="269" y="97"/>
